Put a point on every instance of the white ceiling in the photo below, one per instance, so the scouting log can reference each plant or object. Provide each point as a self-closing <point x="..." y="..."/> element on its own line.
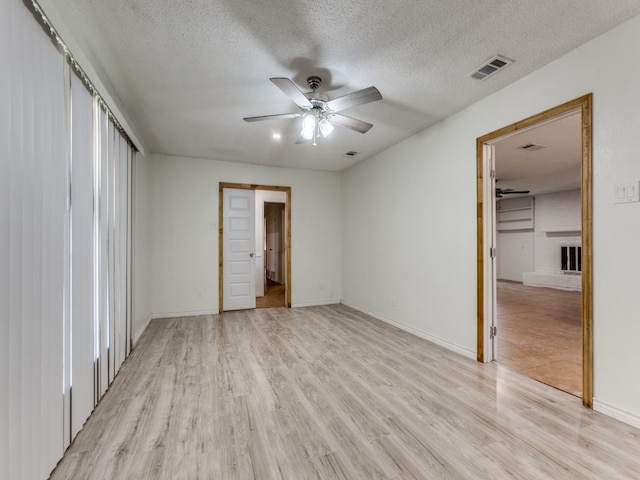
<point x="186" y="72"/>
<point x="554" y="167"/>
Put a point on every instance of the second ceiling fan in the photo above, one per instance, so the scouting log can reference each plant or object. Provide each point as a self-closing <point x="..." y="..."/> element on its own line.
<point x="321" y="114"/>
<point x="500" y="192"/>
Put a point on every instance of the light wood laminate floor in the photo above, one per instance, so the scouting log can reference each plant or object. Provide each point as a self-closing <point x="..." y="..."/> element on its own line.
<point x="540" y="334"/>
<point x="330" y="393"/>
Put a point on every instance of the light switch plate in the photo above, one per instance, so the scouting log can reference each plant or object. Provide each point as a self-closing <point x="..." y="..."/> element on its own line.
<point x="626" y="193"/>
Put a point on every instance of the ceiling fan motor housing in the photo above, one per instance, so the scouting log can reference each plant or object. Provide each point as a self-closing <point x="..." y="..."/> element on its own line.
<point x="318" y="100"/>
<point x="314" y="82"/>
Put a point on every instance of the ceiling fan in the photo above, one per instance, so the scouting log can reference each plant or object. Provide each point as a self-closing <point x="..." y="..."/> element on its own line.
<point x="500" y="192"/>
<point x="321" y="114"/>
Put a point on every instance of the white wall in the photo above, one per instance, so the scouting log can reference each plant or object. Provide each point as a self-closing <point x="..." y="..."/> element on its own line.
<point x="514" y="247"/>
<point x="514" y="254"/>
<point x="408" y="242"/>
<point x="142" y="246"/>
<point x="426" y="257"/>
<point x="184" y="224"/>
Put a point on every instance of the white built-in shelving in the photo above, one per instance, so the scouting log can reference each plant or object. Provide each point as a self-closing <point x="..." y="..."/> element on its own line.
<point x="515" y="214"/>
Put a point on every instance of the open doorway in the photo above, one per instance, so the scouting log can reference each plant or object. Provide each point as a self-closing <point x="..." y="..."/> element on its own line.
<point x="272" y="275"/>
<point x="489" y="218"/>
<point x="538" y="240"/>
<point x="235" y="233"/>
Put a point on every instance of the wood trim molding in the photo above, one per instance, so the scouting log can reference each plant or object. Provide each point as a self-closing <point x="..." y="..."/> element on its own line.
<point x="480" y="250"/>
<point x="584" y="104"/>
<point x="220" y="249"/>
<point x="251" y="186"/>
<point x="287" y="232"/>
<point x="587" y="251"/>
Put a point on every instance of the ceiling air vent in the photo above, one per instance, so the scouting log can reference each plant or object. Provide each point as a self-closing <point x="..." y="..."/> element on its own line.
<point x="490" y="67"/>
<point x="531" y="147"/>
<point x="350" y="154"/>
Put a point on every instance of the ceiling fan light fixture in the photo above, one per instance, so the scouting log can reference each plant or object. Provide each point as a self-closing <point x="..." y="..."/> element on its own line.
<point x="325" y="127"/>
<point x="308" y="126"/>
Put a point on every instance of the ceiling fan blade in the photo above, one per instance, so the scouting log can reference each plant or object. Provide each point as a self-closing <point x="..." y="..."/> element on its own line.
<point x="365" y="95"/>
<point x="509" y="191"/>
<point x="293" y="92"/>
<point x="352" y="123"/>
<point x="271" y="117"/>
<point x="500" y="192"/>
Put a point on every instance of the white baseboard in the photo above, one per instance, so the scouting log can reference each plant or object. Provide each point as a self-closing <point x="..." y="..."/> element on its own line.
<point x="193" y="313"/>
<point x="315" y="304"/>
<point x="617" y="413"/>
<point x="141" y="328"/>
<point x="418" y="333"/>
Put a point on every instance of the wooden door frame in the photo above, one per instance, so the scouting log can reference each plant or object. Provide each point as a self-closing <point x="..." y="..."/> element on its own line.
<point x="287" y="236"/>
<point x="583" y="104"/>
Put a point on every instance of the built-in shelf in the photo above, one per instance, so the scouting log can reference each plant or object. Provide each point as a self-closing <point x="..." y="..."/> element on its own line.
<point x="574" y="230"/>
<point x="514" y="209"/>
<point x="523" y="219"/>
<point x="515" y="214"/>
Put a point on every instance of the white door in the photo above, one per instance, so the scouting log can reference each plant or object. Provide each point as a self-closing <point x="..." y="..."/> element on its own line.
<point x="239" y="288"/>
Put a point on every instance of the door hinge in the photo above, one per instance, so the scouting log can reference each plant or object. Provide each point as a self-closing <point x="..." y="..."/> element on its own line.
<point x="492" y="173"/>
<point x="493" y="331"/>
<point x="492" y="252"/>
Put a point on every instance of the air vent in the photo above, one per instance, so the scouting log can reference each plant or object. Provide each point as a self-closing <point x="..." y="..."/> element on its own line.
<point x="351" y="154"/>
<point x="531" y="147"/>
<point x="490" y="67"/>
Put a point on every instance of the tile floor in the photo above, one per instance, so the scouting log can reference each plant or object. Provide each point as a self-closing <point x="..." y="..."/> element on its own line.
<point x="539" y="334"/>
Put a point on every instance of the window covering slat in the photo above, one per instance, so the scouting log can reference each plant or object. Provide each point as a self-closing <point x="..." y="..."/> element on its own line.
<point x="82" y="255"/>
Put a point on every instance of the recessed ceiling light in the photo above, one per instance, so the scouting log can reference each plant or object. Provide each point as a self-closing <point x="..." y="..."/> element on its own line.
<point x="276" y="136"/>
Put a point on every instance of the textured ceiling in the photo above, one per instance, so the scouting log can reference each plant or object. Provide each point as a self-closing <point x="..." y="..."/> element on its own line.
<point x="187" y="71"/>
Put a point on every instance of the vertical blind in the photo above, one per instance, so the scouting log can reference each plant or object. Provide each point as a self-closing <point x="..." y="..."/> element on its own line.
<point x="65" y="247"/>
<point x="82" y="255"/>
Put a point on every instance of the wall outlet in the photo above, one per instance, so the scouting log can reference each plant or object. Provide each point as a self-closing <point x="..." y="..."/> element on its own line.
<point x="320" y="286"/>
<point x="393" y="301"/>
<point x="198" y="293"/>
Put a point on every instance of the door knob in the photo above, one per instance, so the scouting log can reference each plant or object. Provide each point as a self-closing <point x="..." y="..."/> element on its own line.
<point x="251" y="254"/>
